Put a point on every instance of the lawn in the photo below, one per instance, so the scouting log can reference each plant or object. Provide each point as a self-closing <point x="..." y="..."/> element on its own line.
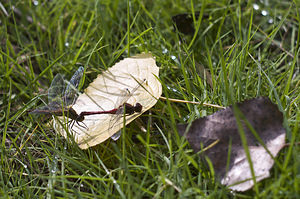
<point x="234" y="51"/>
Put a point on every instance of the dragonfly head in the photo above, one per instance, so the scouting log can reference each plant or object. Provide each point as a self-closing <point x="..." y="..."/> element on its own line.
<point x="138" y="107"/>
<point x="80" y="118"/>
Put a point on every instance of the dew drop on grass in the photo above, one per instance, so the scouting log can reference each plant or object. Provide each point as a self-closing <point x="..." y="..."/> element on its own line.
<point x="173" y="89"/>
<point x="67" y="44"/>
<point x="270" y="20"/>
<point x="186" y="118"/>
<point x="264" y="13"/>
<point x="35" y="3"/>
<point x="255" y="6"/>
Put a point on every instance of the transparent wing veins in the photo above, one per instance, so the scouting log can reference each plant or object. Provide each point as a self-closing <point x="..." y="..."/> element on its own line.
<point x="56" y="89"/>
<point x="71" y="92"/>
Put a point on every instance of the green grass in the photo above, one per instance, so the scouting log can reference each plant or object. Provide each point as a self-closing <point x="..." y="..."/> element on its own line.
<point x="245" y="54"/>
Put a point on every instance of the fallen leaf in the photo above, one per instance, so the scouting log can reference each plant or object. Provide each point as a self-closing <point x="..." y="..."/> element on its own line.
<point x="184" y="23"/>
<point x="136" y="76"/>
<point x="221" y="126"/>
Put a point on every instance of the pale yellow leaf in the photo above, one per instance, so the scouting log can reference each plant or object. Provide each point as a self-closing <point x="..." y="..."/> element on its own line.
<point x="134" y="77"/>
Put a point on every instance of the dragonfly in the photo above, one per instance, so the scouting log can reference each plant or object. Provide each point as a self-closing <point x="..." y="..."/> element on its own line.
<point x="124" y="109"/>
<point x="61" y="97"/>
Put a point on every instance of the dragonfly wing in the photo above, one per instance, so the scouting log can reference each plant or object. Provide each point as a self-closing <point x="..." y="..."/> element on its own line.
<point x="56" y="89"/>
<point x="70" y="95"/>
<point x="116" y="136"/>
<point x="41" y="110"/>
<point x="47" y="109"/>
<point x="120" y="113"/>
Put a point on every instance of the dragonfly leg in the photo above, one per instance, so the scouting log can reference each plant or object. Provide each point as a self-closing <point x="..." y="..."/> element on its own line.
<point x="70" y="126"/>
<point x="85" y="126"/>
<point x="71" y="123"/>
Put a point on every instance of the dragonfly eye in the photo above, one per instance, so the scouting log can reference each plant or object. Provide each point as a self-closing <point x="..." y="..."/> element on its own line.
<point x="80" y="118"/>
<point x="138" y="107"/>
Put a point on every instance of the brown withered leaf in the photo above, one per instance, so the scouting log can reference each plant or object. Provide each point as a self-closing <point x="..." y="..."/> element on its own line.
<point x="263" y="116"/>
<point x="184" y="22"/>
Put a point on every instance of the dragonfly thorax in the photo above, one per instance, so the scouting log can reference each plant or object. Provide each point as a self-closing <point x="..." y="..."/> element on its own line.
<point x="130" y="109"/>
<point x="74" y="116"/>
